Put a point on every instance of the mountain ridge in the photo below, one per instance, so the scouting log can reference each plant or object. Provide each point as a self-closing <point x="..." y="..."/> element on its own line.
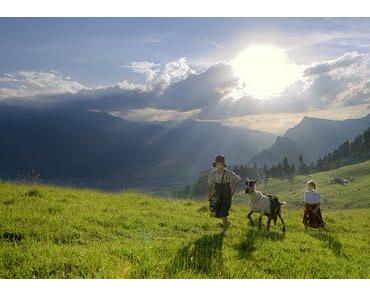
<point x="73" y="143"/>
<point x="312" y="138"/>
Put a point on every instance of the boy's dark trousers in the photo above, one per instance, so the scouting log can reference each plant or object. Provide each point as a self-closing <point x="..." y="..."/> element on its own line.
<point x="221" y="200"/>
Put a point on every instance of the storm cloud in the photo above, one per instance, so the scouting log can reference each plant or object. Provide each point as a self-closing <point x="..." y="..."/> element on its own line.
<point x="179" y="92"/>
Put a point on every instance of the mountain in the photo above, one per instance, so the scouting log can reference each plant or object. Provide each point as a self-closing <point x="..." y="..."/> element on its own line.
<point x="312" y="138"/>
<point x="192" y="145"/>
<point x="98" y="149"/>
<point x="323" y="135"/>
<point x="283" y="146"/>
<point x="349" y="152"/>
<point x="69" y="143"/>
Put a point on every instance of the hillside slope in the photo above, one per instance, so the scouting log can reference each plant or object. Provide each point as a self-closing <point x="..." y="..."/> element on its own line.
<point x="356" y="194"/>
<point x="50" y="232"/>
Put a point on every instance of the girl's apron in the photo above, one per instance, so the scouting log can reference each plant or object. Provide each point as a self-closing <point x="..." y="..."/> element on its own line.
<point x="310" y="218"/>
<point x="221" y="200"/>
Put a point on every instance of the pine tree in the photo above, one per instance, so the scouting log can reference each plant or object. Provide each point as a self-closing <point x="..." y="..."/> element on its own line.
<point x="286" y="167"/>
<point x="291" y="173"/>
<point x="301" y="164"/>
<point x="266" y="175"/>
<point x="255" y="169"/>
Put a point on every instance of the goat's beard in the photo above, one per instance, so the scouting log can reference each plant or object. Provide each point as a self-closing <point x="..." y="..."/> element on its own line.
<point x="249" y="191"/>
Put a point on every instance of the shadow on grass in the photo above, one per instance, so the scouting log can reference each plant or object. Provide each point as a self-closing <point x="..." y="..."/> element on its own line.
<point x="12" y="236"/>
<point x="329" y="240"/>
<point x="247" y="246"/>
<point x="203" y="255"/>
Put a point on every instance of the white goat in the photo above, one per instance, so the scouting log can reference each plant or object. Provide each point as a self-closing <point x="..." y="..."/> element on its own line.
<point x="269" y="206"/>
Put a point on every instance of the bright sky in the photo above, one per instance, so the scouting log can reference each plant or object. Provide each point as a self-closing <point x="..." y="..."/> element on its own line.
<point x="287" y="67"/>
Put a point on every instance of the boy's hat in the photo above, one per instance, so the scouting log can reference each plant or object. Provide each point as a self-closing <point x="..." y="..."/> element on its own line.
<point x="219" y="159"/>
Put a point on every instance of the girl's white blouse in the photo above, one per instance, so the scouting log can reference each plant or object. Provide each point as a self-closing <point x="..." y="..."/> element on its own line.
<point x="312" y="197"/>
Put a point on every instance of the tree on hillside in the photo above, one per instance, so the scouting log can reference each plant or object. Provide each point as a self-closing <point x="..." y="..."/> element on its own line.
<point x="255" y="169"/>
<point x="266" y="175"/>
<point x="181" y="192"/>
<point x="263" y="177"/>
<point x="347" y="153"/>
<point x="200" y="187"/>
<point x="302" y="165"/>
<point x="319" y="164"/>
<point x="291" y="173"/>
<point x="286" y="166"/>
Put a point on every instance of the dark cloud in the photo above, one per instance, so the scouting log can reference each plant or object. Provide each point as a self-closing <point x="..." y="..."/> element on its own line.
<point x="198" y="90"/>
<point x="210" y="94"/>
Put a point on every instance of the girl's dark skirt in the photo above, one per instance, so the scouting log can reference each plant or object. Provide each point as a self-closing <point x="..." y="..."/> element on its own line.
<point x="221" y="201"/>
<point x="311" y="218"/>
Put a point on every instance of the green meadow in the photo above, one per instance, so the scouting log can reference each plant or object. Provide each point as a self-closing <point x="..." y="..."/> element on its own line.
<point x="53" y="232"/>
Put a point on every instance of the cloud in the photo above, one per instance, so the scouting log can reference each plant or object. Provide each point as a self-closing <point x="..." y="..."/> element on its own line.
<point x="175" y="87"/>
<point x="186" y="90"/>
<point x="154" y="115"/>
<point x="160" y="78"/>
<point x="213" y="43"/>
<point x="343" y="62"/>
<point x="175" y="91"/>
<point x="342" y="81"/>
<point x="174" y="71"/>
<point x="126" y="85"/>
<point x="278" y="123"/>
<point x="198" y="91"/>
<point x="6" y="92"/>
<point x="150" y="69"/>
<point x="30" y="83"/>
<point x="330" y="84"/>
<point x="357" y="93"/>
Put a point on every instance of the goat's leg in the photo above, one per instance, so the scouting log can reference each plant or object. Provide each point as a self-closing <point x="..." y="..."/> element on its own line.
<point x="282" y="220"/>
<point x="249" y="216"/>
<point x="268" y="222"/>
<point x="260" y="221"/>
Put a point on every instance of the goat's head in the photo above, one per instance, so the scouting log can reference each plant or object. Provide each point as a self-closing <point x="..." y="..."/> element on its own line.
<point x="250" y="186"/>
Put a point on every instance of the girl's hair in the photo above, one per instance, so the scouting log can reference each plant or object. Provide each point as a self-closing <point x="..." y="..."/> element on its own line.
<point x="311" y="183"/>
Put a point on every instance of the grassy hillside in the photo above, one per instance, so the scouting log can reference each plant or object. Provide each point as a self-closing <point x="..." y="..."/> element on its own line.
<point x="354" y="195"/>
<point x="50" y="232"/>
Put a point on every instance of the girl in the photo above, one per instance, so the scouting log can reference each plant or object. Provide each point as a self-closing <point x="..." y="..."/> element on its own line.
<point x="222" y="184"/>
<point x="312" y="213"/>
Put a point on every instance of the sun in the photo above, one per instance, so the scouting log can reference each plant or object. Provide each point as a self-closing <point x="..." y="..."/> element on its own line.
<point x="265" y="70"/>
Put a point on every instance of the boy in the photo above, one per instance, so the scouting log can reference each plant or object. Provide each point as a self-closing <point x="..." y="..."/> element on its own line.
<point x="222" y="184"/>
